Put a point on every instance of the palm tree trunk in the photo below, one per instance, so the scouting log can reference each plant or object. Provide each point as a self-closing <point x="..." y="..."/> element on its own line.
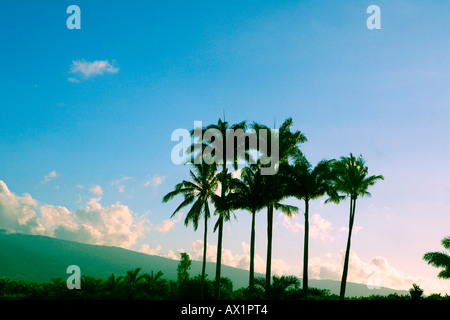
<point x="252" y="254"/>
<point x="219" y="258"/>
<point x="305" y="251"/>
<point x="269" y="246"/>
<point x="205" y="246"/>
<point x="347" y="251"/>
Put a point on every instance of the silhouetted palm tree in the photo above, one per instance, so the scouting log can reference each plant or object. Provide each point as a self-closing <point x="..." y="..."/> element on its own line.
<point x="221" y="155"/>
<point x="279" y="286"/>
<point x="440" y="259"/>
<point x="248" y="195"/>
<point x="307" y="183"/>
<point x="350" y="180"/>
<point x="155" y="285"/>
<point x="288" y="144"/>
<point x="112" y="285"/>
<point x="91" y="287"/>
<point x="199" y="192"/>
<point x="132" y="282"/>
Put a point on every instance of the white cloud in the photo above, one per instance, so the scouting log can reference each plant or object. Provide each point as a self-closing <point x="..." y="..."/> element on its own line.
<point x="242" y="261"/>
<point x="73" y="80"/>
<point x="17" y="214"/>
<point x="86" y="69"/>
<point x="56" y="216"/>
<point x="117" y="183"/>
<point x="115" y="225"/>
<point x="319" y="227"/>
<point x="97" y="190"/>
<point x="168" y="224"/>
<point x="375" y="273"/>
<point x="50" y="176"/>
<point x="145" y="248"/>
<point x="355" y="229"/>
<point x="175" y="255"/>
<point x="290" y="224"/>
<point x="155" y="181"/>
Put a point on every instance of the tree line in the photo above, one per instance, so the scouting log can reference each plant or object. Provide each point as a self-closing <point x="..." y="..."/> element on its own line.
<point x="135" y="285"/>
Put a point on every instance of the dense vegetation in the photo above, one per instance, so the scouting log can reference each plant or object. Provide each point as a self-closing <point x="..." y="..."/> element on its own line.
<point x="138" y="286"/>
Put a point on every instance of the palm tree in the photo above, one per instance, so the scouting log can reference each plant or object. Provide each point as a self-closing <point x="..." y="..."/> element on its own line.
<point x="199" y="192"/>
<point x="248" y="195"/>
<point x="155" y="285"/>
<point x="111" y="285"/>
<point x="91" y="287"/>
<point x="307" y="183"/>
<point x="221" y="155"/>
<point x="440" y="259"/>
<point x="287" y="142"/>
<point x="132" y="282"/>
<point x="279" y="286"/>
<point x="350" y="180"/>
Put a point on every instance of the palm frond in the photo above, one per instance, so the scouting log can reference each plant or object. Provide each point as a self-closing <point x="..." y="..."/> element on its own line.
<point x="187" y="201"/>
<point x="286" y="209"/>
<point x="437" y="259"/>
<point x="194" y="213"/>
<point x="446" y="243"/>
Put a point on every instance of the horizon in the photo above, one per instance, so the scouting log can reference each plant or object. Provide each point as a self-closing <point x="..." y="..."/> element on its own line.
<point x="88" y="114"/>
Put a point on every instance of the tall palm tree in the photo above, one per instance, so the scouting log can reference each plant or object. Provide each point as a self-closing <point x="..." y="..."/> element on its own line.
<point x="307" y="183"/>
<point x="350" y="180"/>
<point x="199" y="192"/>
<point x="248" y="195"/>
<point x="288" y="144"/>
<point x="221" y="155"/>
<point x="440" y="259"/>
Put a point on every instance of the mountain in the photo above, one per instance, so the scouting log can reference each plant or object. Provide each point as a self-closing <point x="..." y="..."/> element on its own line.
<point x="40" y="258"/>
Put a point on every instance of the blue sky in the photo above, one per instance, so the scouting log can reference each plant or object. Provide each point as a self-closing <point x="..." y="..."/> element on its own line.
<point x="380" y="93"/>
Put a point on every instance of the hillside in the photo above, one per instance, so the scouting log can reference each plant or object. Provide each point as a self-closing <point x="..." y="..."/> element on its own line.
<point x="40" y="258"/>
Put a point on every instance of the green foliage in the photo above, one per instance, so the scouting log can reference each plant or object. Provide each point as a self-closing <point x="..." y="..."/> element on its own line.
<point x="152" y="286"/>
<point x="281" y="288"/>
<point x="415" y="292"/>
<point x="440" y="259"/>
<point x="183" y="268"/>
